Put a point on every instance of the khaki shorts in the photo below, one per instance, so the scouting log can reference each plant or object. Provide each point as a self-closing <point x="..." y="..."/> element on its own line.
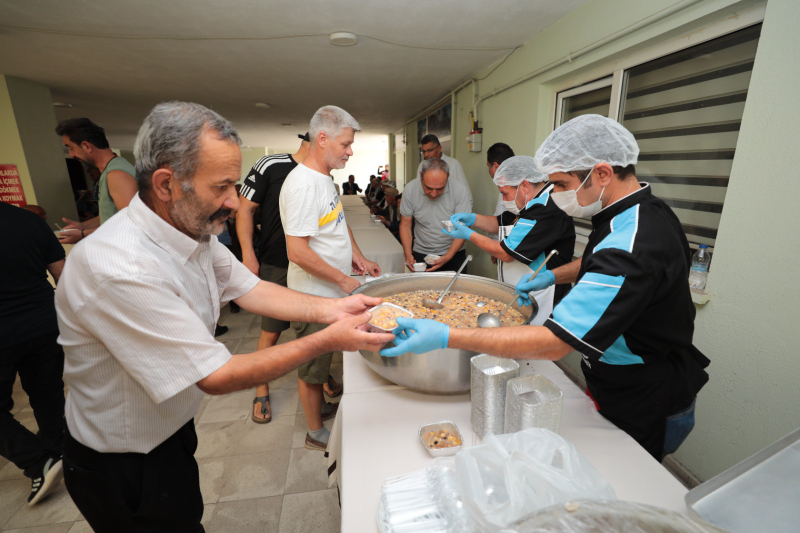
<point x="276" y="275"/>
<point x="316" y="371"/>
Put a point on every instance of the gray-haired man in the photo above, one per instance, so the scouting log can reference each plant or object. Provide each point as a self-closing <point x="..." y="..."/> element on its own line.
<point x="322" y="250"/>
<point x="428" y="200"/>
<point x="137" y="307"/>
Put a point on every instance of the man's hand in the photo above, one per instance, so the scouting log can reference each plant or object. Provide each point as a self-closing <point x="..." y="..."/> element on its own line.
<point x="439" y="263"/>
<point x="349" y="334"/>
<point x="354" y="305"/>
<point x="418" y="336"/>
<point x="358" y="265"/>
<point x="410" y="262"/>
<point x="525" y="285"/>
<point x="71" y="224"/>
<point x="468" y="219"/>
<point x="494" y="259"/>
<point x="70" y="236"/>
<point x="348" y="284"/>
<point x="373" y="269"/>
<point x="384" y="220"/>
<point x="252" y="263"/>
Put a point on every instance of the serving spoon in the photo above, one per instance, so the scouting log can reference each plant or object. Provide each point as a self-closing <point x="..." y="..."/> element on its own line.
<point x="430" y="304"/>
<point x="488" y="320"/>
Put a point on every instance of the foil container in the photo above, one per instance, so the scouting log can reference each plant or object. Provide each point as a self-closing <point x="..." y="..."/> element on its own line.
<point x="445" y="425"/>
<point x="484" y="424"/>
<point x="532" y="401"/>
<point x="489" y="376"/>
<point x="401" y="312"/>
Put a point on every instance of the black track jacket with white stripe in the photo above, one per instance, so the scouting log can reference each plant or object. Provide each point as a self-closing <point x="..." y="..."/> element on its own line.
<point x="631" y="316"/>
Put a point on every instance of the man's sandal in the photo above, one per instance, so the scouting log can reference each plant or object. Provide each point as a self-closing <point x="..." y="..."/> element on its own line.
<point x="266" y="410"/>
<point x="335" y="391"/>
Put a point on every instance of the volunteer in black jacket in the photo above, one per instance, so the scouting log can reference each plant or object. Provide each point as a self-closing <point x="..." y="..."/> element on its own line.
<point x="630" y="313"/>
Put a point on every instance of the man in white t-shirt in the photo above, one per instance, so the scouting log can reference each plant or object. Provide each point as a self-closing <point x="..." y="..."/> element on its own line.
<point x="321" y="248"/>
<point x="432" y="149"/>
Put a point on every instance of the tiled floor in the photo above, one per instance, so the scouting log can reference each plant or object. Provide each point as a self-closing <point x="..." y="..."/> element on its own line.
<point x="254" y="477"/>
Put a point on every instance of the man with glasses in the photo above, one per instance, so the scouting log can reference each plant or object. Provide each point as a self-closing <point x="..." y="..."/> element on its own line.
<point x="432" y="149"/>
<point x="427" y="201"/>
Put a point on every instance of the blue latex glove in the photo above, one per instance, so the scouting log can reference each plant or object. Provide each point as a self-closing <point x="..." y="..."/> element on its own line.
<point x="539" y="283"/>
<point x="460" y="231"/>
<point x="468" y="219"/>
<point x="427" y="335"/>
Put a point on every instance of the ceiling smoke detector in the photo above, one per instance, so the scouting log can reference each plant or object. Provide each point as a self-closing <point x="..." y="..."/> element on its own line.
<point x="262" y="105"/>
<point x="61" y="104"/>
<point x="286" y="125"/>
<point x="343" y="38"/>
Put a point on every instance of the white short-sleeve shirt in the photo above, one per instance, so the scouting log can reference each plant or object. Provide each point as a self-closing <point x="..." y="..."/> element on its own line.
<point x="311" y="208"/>
<point x="137" y="305"/>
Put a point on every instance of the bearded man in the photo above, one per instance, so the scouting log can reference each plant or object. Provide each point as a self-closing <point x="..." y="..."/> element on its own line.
<point x="137" y="308"/>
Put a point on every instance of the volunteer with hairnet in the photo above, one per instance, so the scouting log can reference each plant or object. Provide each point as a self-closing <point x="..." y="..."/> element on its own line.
<point x="531" y="226"/>
<point x="630" y="313"/>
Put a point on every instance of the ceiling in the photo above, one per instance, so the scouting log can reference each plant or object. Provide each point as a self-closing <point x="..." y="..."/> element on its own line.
<point x="114" y="60"/>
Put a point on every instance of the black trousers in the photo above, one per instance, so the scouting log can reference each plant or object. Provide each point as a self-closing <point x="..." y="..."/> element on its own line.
<point x="156" y="492"/>
<point x="453" y="264"/>
<point x="40" y="365"/>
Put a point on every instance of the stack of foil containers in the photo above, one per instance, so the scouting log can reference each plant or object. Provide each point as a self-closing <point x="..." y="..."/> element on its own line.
<point x="489" y="378"/>
<point x="532" y="401"/>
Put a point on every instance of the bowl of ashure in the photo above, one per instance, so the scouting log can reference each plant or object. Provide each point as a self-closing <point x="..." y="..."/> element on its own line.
<point x="444" y="371"/>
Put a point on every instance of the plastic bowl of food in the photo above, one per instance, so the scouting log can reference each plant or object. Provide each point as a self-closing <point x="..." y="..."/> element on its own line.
<point x="441" y="438"/>
<point x="449" y="226"/>
<point x="432" y="258"/>
<point x="384" y="317"/>
<point x="420" y="267"/>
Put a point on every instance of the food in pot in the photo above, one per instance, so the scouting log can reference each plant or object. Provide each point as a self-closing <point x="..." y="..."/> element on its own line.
<point x="460" y="309"/>
<point x="441" y="439"/>
<point x="385" y="316"/>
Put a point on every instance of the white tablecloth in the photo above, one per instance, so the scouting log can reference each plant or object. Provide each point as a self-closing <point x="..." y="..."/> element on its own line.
<point x="375" y="437"/>
<point x="358" y="220"/>
<point x="379" y="245"/>
<point x="351" y="200"/>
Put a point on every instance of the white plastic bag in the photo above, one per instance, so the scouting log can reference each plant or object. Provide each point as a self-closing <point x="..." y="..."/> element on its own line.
<point x="510" y="476"/>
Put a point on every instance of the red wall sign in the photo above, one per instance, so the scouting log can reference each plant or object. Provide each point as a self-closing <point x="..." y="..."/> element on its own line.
<point x="10" y="186"/>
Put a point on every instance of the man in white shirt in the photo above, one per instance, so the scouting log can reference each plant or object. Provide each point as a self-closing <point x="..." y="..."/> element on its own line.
<point x="137" y="306"/>
<point x="432" y="149"/>
<point x="322" y="250"/>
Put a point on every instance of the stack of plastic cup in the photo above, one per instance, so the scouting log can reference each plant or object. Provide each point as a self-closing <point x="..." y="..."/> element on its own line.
<point x="425" y="501"/>
<point x="532" y="402"/>
<point x="489" y="376"/>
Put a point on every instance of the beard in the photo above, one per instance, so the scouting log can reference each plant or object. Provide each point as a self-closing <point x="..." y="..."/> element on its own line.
<point x="194" y="216"/>
<point x="334" y="162"/>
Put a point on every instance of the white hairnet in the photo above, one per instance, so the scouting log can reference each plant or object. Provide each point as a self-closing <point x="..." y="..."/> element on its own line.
<point x="585" y="141"/>
<point x="517" y="169"/>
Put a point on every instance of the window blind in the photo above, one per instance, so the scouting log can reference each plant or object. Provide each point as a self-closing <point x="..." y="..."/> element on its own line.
<point x="685" y="110"/>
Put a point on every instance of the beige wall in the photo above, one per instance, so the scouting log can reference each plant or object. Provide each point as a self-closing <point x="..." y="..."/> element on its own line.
<point x="39" y="156"/>
<point x="747" y="329"/>
<point x="11" y="151"/>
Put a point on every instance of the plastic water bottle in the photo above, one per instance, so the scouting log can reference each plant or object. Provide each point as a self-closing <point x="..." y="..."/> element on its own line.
<point x="699" y="272"/>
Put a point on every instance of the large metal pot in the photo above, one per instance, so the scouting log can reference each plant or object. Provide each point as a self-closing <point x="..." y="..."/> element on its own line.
<point x="439" y="371"/>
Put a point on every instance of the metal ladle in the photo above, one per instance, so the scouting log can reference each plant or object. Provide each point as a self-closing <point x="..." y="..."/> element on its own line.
<point x="430" y="304"/>
<point x="488" y="320"/>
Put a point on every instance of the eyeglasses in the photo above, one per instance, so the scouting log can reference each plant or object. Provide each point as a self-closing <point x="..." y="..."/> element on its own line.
<point x="430" y="151"/>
